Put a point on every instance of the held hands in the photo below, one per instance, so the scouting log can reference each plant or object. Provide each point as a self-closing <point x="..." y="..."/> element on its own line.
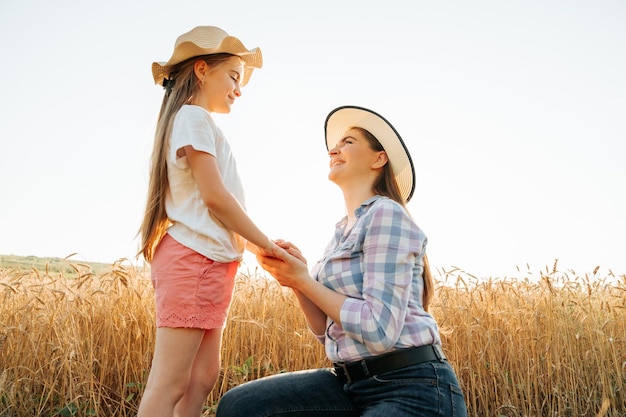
<point x="286" y="264"/>
<point x="291" y="249"/>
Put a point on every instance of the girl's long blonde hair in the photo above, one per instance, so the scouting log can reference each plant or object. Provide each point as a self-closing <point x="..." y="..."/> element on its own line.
<point x="387" y="186"/>
<point x="181" y="88"/>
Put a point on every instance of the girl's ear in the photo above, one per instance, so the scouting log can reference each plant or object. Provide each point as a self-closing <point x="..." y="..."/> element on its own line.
<point x="200" y="68"/>
<point x="381" y="160"/>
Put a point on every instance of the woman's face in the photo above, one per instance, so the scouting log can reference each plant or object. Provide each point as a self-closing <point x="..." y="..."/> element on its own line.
<point x="222" y="85"/>
<point x="353" y="159"/>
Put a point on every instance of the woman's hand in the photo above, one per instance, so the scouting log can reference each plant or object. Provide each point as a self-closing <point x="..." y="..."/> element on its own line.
<point x="291" y="248"/>
<point x="286" y="265"/>
<point x="289" y="268"/>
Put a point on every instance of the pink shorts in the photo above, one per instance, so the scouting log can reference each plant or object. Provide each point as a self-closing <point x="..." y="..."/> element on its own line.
<point x="191" y="290"/>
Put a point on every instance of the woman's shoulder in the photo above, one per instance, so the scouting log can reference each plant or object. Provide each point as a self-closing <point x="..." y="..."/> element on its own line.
<point x="385" y="203"/>
<point x="387" y="208"/>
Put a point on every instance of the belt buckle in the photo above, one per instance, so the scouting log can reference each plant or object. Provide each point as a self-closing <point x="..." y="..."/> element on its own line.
<point x="344" y="368"/>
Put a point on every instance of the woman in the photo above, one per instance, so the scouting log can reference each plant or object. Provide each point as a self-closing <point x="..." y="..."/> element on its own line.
<point x="367" y="299"/>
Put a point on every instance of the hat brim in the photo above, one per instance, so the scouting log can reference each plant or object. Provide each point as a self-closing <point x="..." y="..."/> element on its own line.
<point x="340" y="120"/>
<point x="252" y="58"/>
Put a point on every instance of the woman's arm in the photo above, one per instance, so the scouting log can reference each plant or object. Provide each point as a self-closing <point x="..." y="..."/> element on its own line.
<point x="316" y="300"/>
<point x="315" y="317"/>
<point x="389" y="250"/>
<point x="221" y="202"/>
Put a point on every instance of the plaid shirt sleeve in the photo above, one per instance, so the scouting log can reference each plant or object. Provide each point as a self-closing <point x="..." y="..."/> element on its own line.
<point x="390" y="246"/>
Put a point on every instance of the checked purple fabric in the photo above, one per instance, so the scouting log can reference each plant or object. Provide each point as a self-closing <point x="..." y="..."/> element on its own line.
<point x="378" y="264"/>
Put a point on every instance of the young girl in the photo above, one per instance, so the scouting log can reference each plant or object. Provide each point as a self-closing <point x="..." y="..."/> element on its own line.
<point x="195" y="227"/>
<point x="366" y="300"/>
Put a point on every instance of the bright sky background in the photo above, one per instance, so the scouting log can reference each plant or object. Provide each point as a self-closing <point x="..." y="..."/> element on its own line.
<point x="514" y="112"/>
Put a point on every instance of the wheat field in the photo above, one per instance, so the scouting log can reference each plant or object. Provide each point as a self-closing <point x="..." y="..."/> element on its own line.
<point x="80" y="344"/>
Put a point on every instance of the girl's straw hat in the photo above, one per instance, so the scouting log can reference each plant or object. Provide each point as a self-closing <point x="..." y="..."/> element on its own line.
<point x="340" y="120"/>
<point x="206" y="40"/>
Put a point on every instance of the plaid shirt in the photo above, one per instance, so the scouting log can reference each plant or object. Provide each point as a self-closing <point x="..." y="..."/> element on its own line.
<point x="378" y="265"/>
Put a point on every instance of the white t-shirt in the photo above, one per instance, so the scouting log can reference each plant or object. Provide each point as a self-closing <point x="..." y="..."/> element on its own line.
<point x="192" y="223"/>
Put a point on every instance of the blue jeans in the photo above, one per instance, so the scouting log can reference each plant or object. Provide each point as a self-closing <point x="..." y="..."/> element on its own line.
<point x="425" y="389"/>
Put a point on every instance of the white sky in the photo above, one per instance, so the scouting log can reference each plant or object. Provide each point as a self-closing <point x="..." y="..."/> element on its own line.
<point x="514" y="112"/>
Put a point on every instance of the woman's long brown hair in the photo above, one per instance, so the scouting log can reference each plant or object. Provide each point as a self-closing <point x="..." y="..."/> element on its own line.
<point x="180" y="89"/>
<point x="387" y="186"/>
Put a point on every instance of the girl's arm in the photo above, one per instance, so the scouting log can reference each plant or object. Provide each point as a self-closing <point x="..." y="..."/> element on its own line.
<point x="221" y="202"/>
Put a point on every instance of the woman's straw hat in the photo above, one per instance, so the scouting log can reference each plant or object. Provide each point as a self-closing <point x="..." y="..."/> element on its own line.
<point x="206" y="40"/>
<point x="340" y="120"/>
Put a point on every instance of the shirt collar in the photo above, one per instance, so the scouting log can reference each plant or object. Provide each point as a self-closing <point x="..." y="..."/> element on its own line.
<point x="359" y="211"/>
<point x="365" y="204"/>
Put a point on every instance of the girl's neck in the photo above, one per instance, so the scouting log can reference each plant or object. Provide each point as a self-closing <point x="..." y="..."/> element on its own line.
<point x="200" y="101"/>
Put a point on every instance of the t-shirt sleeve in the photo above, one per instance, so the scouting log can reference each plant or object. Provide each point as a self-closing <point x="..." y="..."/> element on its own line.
<point x="194" y="127"/>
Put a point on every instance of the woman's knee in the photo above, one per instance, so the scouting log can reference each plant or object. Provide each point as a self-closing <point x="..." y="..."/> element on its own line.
<point x="292" y="392"/>
<point x="238" y="401"/>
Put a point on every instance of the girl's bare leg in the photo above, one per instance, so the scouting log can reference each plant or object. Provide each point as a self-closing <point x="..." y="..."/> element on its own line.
<point x="204" y="373"/>
<point x="174" y="355"/>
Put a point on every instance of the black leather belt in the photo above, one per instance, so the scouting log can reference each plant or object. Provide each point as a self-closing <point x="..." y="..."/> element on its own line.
<point x="365" y="368"/>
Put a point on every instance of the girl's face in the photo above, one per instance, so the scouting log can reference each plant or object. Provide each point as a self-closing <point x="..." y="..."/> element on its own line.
<point x="353" y="159"/>
<point x="222" y="85"/>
